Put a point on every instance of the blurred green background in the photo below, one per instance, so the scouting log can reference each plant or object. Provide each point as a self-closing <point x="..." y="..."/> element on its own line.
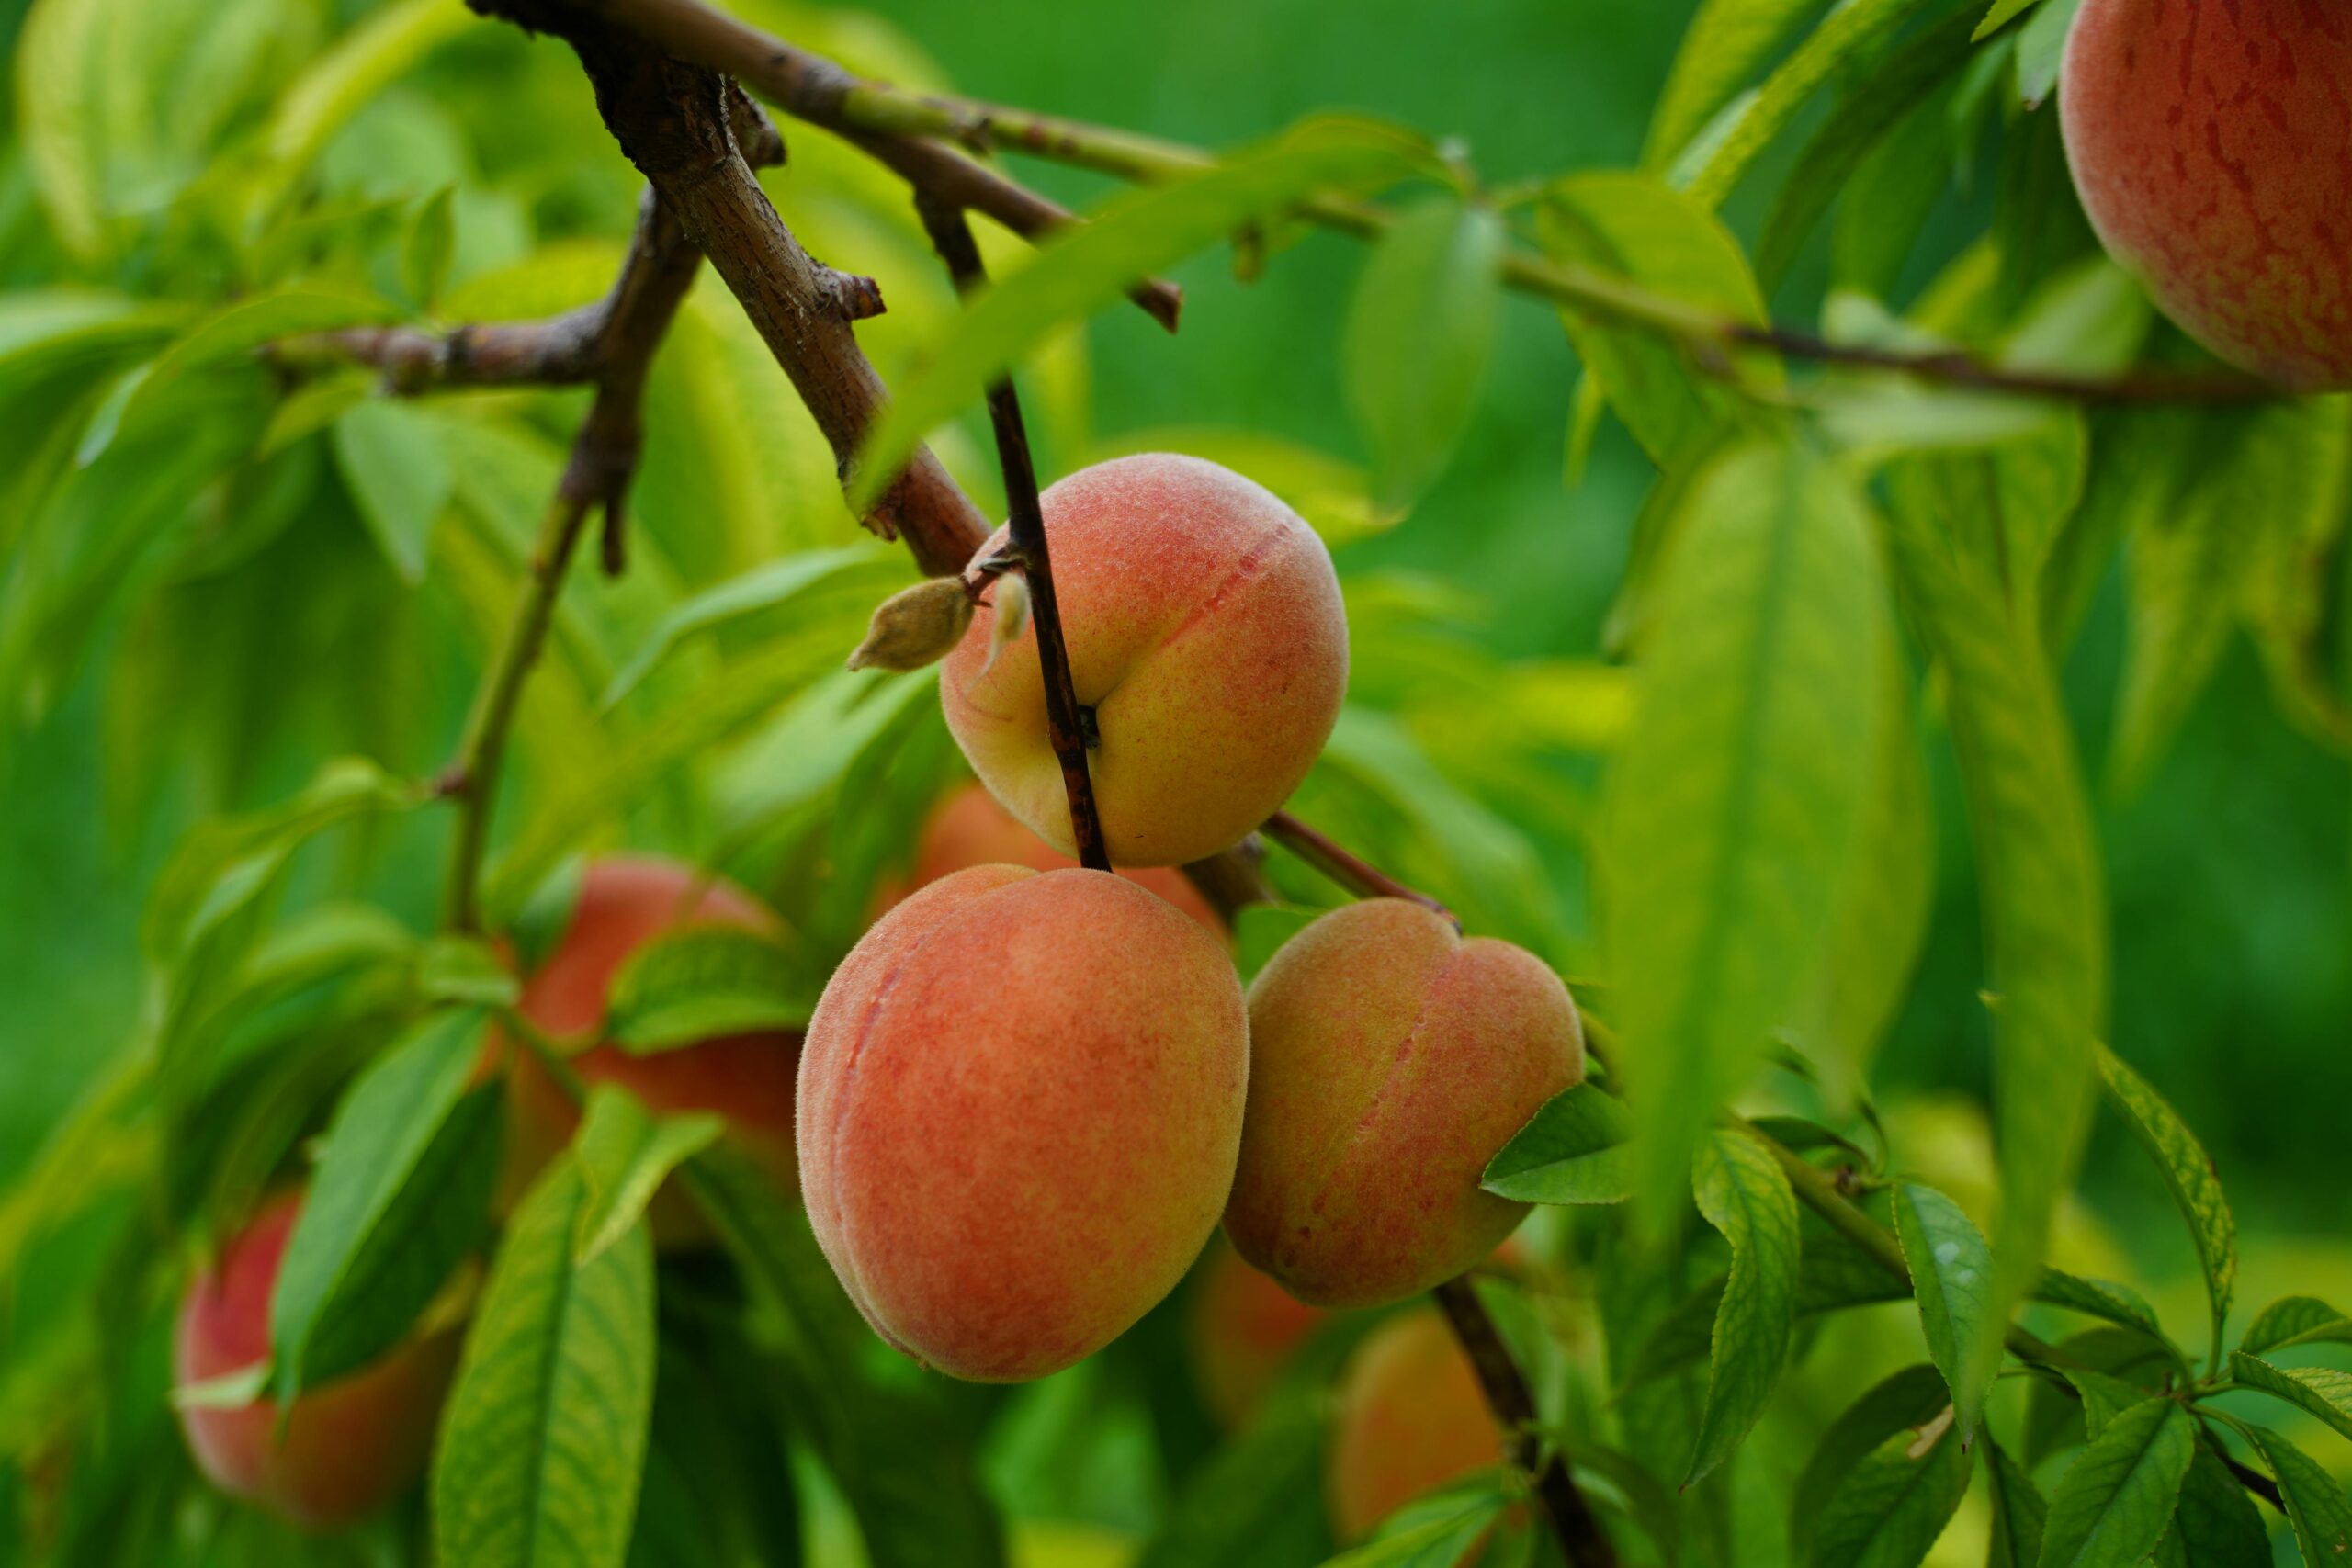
<point x="2230" y="868"/>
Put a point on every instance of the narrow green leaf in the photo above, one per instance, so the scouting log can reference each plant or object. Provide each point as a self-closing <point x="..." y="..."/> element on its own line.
<point x="339" y="82"/>
<point x="2215" y="1525"/>
<point x="1647" y="1500"/>
<point x="1571" y="1151"/>
<point x="2109" y="1371"/>
<point x="399" y="478"/>
<point x="625" y="1153"/>
<point x="432" y="243"/>
<point x="1255" y="1502"/>
<point x="2041" y="47"/>
<point x="400" y="1195"/>
<point x="543" y="1442"/>
<point x="1951" y="1270"/>
<point x="2319" y="1391"/>
<point x="2099" y="1297"/>
<point x="766" y="588"/>
<point x="2187" y="1172"/>
<point x="1891" y="1508"/>
<point x="2019" y="1515"/>
<point x="1092" y="268"/>
<point x="1419" y="337"/>
<point x="466" y="970"/>
<point x="1743" y="1193"/>
<point x="1432" y="1543"/>
<point x="1732" y="808"/>
<point x="2296" y="1320"/>
<point x="2113" y="1504"/>
<point x="2316" y="1505"/>
<point x="1727" y="43"/>
<point x="2002" y="13"/>
<point x="700" y="982"/>
<point x="1905" y="1402"/>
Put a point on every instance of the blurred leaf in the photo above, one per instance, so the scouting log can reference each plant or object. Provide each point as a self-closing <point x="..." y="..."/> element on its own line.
<point x="2292" y="589"/>
<point x="2215" y="1525"/>
<point x="1733" y="805"/>
<point x="402" y="1193"/>
<point x="771" y="587"/>
<point x="1951" y="1271"/>
<point x="1419" y="334"/>
<point x="1744" y="1194"/>
<point x="2187" y="1172"/>
<point x="1261" y="930"/>
<point x="698" y="983"/>
<point x="2111" y="1506"/>
<point x="2042" y="45"/>
<point x="1256" y="1502"/>
<point x="1334" y="496"/>
<point x="2002" y="13"/>
<point x="543" y="1442"/>
<point x="2003" y="504"/>
<point x="1891" y="1508"/>
<point x="399" y="477"/>
<point x="337" y="84"/>
<point x="1903" y="1402"/>
<point x="1137" y="235"/>
<point x="2099" y="1297"/>
<point x="2316" y="1505"/>
<point x="2296" y="1320"/>
<point x="1727" y="43"/>
<point x="2019" y="1515"/>
<point x="1427" y="1543"/>
<point x="2322" y="1392"/>
<point x="466" y="970"/>
<point x="1571" y="1152"/>
<point x="432" y="245"/>
<point x="625" y="1152"/>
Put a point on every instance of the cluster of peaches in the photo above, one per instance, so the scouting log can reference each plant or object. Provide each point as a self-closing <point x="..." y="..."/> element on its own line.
<point x="1030" y="1093"/>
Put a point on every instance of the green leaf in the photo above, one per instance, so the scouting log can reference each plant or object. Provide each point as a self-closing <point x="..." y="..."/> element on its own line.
<point x="2215" y="1525"/>
<point x="1732" y="807"/>
<point x="763" y="589"/>
<point x="400" y="1195"/>
<point x="2099" y="1297"/>
<point x="2113" y="1504"/>
<point x="1907" y="1402"/>
<point x="466" y="970"/>
<point x="2187" y="1172"/>
<point x="337" y="84"/>
<point x="625" y="1152"/>
<point x="1743" y="1193"/>
<point x="1951" y="1270"/>
<point x="2041" y="47"/>
<point x="2320" y="1391"/>
<point x="2316" y="1505"/>
<point x="1727" y="43"/>
<point x="1261" y="930"/>
<point x="2296" y="1320"/>
<point x="1091" y="269"/>
<point x="1419" y="337"/>
<point x="1571" y="1151"/>
<point x="542" y="1442"/>
<point x="432" y="244"/>
<point x="700" y="982"/>
<point x="2109" y="1371"/>
<point x="2019" y="1515"/>
<point x="1891" y="1508"/>
<point x="1441" y="1542"/>
<point x="1255" y="1502"/>
<point x="61" y="118"/>
<point x="2002" y="13"/>
<point x="1334" y="496"/>
<point x="399" y="477"/>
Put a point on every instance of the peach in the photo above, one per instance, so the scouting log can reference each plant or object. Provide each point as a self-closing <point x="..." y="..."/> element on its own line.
<point x="1390" y="1059"/>
<point x="1240" y="1332"/>
<point x="1408" y="1418"/>
<point x="2207" y="142"/>
<point x="1205" y="629"/>
<point x="1020" y="1106"/>
<point x="624" y="902"/>
<point x="971" y="829"/>
<point x="350" y="1445"/>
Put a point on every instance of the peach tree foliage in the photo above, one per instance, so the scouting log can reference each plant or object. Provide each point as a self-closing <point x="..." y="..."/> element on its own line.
<point x="1853" y="545"/>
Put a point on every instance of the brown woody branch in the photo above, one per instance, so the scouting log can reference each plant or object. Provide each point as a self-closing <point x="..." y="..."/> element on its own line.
<point x="1359" y="876"/>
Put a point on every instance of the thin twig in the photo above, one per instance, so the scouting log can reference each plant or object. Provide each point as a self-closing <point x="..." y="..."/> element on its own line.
<point x="1358" y="876"/>
<point x="1027" y="543"/>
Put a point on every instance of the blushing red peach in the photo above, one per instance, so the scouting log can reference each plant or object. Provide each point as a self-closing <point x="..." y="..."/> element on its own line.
<point x="1390" y="1059"/>
<point x="2207" y="142"/>
<point x="1410" y="1417"/>
<point x="1204" y="628"/>
<point x="1019" y="1105"/>
<point x="349" y="1446"/>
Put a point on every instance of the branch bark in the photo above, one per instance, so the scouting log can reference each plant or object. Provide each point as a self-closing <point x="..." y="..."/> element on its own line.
<point x="1357" y="875"/>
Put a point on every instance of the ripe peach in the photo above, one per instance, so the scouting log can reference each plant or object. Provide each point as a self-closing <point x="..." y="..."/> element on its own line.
<point x="2207" y="142"/>
<point x="1391" y="1058"/>
<point x="624" y="902"/>
<point x="971" y="829"/>
<point x="1410" y="1417"/>
<point x="1240" y="1330"/>
<point x="350" y="1446"/>
<point x="1019" y="1105"/>
<point x="1205" y="630"/>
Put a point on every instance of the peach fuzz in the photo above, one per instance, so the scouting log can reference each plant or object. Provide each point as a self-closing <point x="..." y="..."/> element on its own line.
<point x="1204" y="628"/>
<point x="968" y="828"/>
<point x="1390" y="1059"/>
<point x="350" y="1446"/>
<point x="2208" y="141"/>
<point x="1408" y="1418"/>
<point x="1020" y="1106"/>
<point x="624" y="903"/>
<point x="1240" y="1331"/>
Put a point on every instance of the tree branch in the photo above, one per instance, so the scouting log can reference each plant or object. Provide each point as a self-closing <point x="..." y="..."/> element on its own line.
<point x="1358" y="876"/>
<point x="1026" y="547"/>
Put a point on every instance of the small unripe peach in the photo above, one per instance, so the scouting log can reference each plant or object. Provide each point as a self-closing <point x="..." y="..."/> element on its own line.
<point x="1240" y="1331"/>
<point x="350" y="1445"/>
<point x="624" y="902"/>
<point x="2207" y="142"/>
<point x="1390" y="1059"/>
<point x="1019" y="1105"/>
<point x="1205" y="629"/>
<point x="971" y="829"/>
<point x="1410" y="1417"/>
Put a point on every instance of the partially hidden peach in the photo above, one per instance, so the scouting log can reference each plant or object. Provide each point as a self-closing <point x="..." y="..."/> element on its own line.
<point x="1390" y="1059"/>
<point x="1205" y="629"/>
<point x="2208" y="143"/>
<point x="1241" y="1330"/>
<point x="350" y="1446"/>
<point x="1408" y="1418"/>
<point x="1020" y="1106"/>
<point x="624" y="903"/>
